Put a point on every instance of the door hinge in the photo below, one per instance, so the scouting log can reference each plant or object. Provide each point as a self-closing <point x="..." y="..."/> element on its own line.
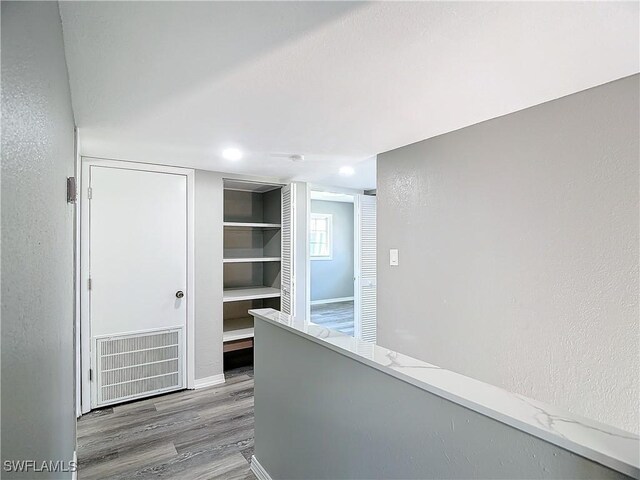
<point x="90" y="193"/>
<point x="71" y="190"/>
<point x="91" y="374"/>
<point x="88" y="284"/>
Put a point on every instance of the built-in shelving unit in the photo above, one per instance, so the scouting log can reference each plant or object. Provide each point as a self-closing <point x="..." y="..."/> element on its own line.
<point x="251" y="257"/>
<point x="249" y="293"/>
<point x="237" y="329"/>
<point x="250" y="225"/>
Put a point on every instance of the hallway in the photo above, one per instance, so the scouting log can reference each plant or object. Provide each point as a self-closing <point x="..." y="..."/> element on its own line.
<point x="204" y="433"/>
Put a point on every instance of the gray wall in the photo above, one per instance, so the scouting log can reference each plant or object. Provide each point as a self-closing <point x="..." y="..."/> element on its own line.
<point x="208" y="272"/>
<point x="518" y="246"/>
<point x="334" y="278"/>
<point x="38" y="412"/>
<point x="321" y="415"/>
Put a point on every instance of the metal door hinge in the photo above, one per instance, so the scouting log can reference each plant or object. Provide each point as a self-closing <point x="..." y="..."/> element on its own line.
<point x="89" y="284"/>
<point x="90" y="193"/>
<point x="91" y="374"/>
<point x="71" y="190"/>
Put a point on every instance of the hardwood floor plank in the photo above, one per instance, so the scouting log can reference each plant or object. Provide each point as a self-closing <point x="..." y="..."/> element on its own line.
<point x="249" y="450"/>
<point x="336" y="316"/>
<point x="189" y="466"/>
<point x="96" y="414"/>
<point x="217" y="429"/>
<point x="130" y="460"/>
<point x="205" y="396"/>
<point x="236" y="468"/>
<point x="115" y="421"/>
<point x="205" y="433"/>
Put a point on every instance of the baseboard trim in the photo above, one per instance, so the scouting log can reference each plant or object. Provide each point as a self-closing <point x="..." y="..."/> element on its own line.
<point x="74" y="474"/>
<point x="258" y="470"/>
<point x="332" y="300"/>
<point x="209" y="381"/>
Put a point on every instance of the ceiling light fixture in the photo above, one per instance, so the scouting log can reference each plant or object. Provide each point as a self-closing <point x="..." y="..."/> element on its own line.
<point x="232" y="154"/>
<point x="347" y="171"/>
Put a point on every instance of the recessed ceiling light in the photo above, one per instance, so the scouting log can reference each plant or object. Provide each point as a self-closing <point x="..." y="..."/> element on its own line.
<point x="347" y="171"/>
<point x="232" y="154"/>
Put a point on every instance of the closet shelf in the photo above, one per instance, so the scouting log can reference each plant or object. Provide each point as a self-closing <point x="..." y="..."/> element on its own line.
<point x="237" y="329"/>
<point x="251" y="260"/>
<point x="249" y="293"/>
<point x="251" y="225"/>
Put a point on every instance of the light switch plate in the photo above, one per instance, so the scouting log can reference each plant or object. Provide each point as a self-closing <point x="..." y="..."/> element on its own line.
<point x="393" y="257"/>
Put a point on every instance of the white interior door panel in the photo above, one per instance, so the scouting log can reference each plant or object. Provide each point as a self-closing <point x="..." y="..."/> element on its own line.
<point x="138" y="249"/>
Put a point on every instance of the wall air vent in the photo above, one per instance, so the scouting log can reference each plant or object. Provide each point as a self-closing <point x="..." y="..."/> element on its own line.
<point x="138" y="365"/>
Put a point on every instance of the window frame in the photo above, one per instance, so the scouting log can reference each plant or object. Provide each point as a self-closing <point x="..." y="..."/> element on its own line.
<point x="328" y="217"/>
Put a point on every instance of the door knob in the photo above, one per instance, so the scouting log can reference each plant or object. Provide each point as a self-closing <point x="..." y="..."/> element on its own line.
<point x="179" y="294"/>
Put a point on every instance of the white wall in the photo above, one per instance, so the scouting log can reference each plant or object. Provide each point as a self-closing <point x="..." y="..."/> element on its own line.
<point x="301" y="272"/>
<point x="518" y="242"/>
<point x="38" y="406"/>
<point x="208" y="272"/>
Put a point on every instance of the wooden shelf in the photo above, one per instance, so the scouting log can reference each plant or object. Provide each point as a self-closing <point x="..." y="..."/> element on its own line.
<point x="249" y="293"/>
<point x="237" y="329"/>
<point x="251" y="225"/>
<point x="251" y="260"/>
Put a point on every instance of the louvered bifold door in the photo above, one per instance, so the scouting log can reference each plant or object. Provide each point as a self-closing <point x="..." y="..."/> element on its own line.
<point x="368" y="280"/>
<point x="287" y="297"/>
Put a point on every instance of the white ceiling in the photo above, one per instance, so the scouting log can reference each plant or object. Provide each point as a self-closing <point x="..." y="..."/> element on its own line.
<point x="339" y="82"/>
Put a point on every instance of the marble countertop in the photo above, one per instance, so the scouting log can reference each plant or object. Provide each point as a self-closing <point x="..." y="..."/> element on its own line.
<point x="609" y="446"/>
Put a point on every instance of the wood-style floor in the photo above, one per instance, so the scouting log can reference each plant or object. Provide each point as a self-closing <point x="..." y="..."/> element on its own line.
<point x="336" y="316"/>
<point x="192" y="434"/>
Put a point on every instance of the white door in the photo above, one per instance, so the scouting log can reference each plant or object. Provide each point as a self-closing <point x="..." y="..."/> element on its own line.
<point x="138" y="282"/>
<point x="367" y="279"/>
<point x="287" y="298"/>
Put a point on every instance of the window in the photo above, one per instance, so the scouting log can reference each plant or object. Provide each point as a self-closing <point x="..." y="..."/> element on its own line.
<point x="321" y="236"/>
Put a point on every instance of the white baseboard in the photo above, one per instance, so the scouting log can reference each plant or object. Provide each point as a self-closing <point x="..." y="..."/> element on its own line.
<point x="209" y="381"/>
<point x="258" y="470"/>
<point x="332" y="300"/>
<point x="74" y="474"/>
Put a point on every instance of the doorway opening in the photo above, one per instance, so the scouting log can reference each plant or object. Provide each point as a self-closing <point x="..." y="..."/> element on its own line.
<point x="332" y="260"/>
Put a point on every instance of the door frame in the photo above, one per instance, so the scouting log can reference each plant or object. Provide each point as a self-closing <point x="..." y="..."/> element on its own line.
<point x="356" y="194"/>
<point x="86" y="357"/>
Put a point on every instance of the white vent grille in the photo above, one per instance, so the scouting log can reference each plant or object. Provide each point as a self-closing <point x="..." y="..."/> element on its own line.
<point x="368" y="256"/>
<point x="138" y="365"/>
<point x="286" y="300"/>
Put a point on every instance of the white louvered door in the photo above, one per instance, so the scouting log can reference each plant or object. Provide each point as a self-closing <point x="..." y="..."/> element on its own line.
<point x="368" y="282"/>
<point x="287" y="297"/>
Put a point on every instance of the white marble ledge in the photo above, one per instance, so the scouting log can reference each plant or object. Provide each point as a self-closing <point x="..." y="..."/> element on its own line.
<point x="609" y="446"/>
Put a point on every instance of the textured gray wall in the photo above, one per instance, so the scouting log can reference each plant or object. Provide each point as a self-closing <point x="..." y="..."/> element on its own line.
<point x="38" y="413"/>
<point x="208" y="265"/>
<point x="334" y="278"/>
<point x="321" y="415"/>
<point x="518" y="245"/>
